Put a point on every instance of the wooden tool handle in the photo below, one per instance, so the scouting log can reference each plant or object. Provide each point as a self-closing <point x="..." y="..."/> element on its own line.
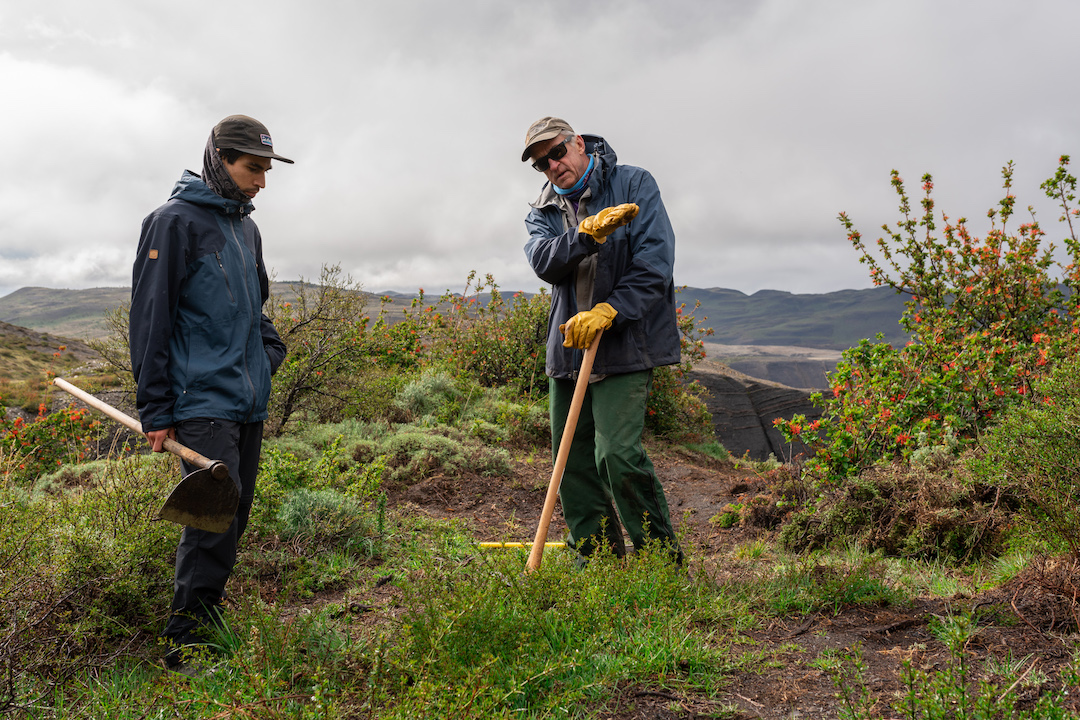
<point x="564" y="452"/>
<point x="217" y="469"/>
<point x="99" y="405"/>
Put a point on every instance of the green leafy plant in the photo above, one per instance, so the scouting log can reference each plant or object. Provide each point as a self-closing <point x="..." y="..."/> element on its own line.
<point x="434" y="394"/>
<point x="497" y="342"/>
<point x="325" y="519"/>
<point x="847" y="671"/>
<point x="323" y="330"/>
<point x="728" y="516"/>
<point x="1033" y="453"/>
<point x="83" y="571"/>
<point x="954" y="691"/>
<point x="490" y="643"/>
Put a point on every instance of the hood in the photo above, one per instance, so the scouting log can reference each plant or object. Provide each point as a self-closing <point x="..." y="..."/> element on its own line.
<point x="605" y="161"/>
<point x="598" y="146"/>
<point x="191" y="188"/>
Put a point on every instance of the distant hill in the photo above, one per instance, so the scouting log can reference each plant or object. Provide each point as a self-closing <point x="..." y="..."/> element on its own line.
<point x="80" y="314"/>
<point x="835" y="321"/>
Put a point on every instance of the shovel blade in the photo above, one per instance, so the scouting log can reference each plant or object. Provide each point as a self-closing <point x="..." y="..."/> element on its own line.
<point x="202" y="502"/>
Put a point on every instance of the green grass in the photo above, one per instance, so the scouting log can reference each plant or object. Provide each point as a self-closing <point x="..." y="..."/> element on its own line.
<point x="343" y="608"/>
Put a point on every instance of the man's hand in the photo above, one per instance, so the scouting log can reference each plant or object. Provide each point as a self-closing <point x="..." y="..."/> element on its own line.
<point x="580" y="330"/>
<point x="156" y="438"/>
<point x="607" y="220"/>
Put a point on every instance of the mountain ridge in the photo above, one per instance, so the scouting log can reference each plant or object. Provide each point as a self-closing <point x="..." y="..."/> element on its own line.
<point x="835" y="320"/>
<point x="769" y="350"/>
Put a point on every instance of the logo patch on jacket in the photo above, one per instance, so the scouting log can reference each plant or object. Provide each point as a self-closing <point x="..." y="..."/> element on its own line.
<point x="152" y="254"/>
<point x="266" y="140"/>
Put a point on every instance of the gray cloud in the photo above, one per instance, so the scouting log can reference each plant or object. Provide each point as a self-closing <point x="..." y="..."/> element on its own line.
<point x="760" y="120"/>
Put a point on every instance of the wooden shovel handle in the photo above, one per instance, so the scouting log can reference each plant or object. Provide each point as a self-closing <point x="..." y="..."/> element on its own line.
<point x="171" y="445"/>
<point x="564" y="452"/>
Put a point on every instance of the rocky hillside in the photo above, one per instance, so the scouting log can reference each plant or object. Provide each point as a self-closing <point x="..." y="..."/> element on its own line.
<point x="743" y="409"/>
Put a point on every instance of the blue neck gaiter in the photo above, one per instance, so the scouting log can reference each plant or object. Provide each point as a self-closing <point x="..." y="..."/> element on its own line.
<point x="580" y="184"/>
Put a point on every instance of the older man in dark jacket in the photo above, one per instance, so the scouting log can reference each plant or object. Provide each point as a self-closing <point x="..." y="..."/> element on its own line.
<point x="202" y="351"/>
<point x="600" y="235"/>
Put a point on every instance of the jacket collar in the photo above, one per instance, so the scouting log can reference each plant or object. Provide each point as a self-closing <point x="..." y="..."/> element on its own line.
<point x="605" y="160"/>
<point x="191" y="188"/>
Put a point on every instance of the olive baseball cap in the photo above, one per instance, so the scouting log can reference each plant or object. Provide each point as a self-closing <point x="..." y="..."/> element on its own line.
<point x="246" y="134"/>
<point x="544" y="129"/>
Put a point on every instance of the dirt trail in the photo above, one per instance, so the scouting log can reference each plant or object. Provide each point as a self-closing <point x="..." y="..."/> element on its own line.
<point x="786" y="685"/>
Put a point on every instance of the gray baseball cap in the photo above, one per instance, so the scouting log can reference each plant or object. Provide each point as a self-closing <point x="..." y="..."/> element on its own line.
<point x="544" y="129"/>
<point x="246" y="134"/>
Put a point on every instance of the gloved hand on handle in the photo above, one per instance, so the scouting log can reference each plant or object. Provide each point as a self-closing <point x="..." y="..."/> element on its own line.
<point x="580" y="330"/>
<point x="607" y="220"/>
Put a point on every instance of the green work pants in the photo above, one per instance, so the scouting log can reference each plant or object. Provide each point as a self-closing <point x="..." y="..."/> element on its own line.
<point x="607" y="464"/>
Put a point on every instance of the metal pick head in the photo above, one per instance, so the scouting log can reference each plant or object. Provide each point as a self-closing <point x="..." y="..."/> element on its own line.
<point x="203" y="501"/>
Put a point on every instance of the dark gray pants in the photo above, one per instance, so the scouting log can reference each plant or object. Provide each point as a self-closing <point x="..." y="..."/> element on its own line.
<point x="204" y="560"/>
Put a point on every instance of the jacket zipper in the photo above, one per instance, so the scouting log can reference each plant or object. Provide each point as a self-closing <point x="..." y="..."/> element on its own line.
<point x="247" y="368"/>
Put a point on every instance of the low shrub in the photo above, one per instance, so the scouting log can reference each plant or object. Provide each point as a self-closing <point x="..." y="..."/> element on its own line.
<point x="413" y="454"/>
<point x="1033" y="454"/>
<point x="904" y="510"/>
<point x="497" y="342"/>
<point x="434" y="394"/>
<point x="85" y="568"/>
<point x="326" y="519"/>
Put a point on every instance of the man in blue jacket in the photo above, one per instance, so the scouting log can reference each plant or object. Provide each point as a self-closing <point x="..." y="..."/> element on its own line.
<point x="600" y="235"/>
<point x="202" y="351"/>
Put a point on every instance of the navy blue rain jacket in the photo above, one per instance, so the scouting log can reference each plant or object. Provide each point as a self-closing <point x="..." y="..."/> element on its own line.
<point x="633" y="272"/>
<point x="200" y="345"/>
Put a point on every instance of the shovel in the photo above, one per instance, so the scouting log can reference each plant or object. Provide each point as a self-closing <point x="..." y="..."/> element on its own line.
<point x="564" y="452"/>
<point x="206" y="499"/>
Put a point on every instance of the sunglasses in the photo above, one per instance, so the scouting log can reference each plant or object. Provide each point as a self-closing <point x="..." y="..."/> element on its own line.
<point x="556" y="153"/>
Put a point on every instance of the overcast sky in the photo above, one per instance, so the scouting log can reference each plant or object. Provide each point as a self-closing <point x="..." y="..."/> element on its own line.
<point x="760" y="119"/>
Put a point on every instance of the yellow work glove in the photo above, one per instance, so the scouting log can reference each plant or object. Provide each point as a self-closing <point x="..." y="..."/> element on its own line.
<point x="604" y="222"/>
<point x="580" y="330"/>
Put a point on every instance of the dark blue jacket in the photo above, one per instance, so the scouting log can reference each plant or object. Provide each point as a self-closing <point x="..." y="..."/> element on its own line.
<point x="200" y="345"/>
<point x="633" y="272"/>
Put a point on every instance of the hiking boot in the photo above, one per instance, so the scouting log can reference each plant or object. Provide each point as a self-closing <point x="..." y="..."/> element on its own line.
<point x="192" y="661"/>
<point x="190" y="654"/>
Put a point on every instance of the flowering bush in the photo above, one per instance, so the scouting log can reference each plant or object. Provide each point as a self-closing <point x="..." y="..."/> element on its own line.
<point x="39" y="447"/>
<point x="498" y="343"/>
<point x="986" y="318"/>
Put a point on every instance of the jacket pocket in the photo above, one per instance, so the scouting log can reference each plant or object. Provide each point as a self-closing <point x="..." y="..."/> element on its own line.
<point x="225" y="276"/>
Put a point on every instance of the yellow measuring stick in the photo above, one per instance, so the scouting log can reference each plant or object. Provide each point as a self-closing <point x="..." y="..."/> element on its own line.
<point x="518" y="544"/>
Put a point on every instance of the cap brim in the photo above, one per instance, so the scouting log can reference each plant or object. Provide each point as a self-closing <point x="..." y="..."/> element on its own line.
<point x="546" y="135"/>
<point x="265" y="153"/>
